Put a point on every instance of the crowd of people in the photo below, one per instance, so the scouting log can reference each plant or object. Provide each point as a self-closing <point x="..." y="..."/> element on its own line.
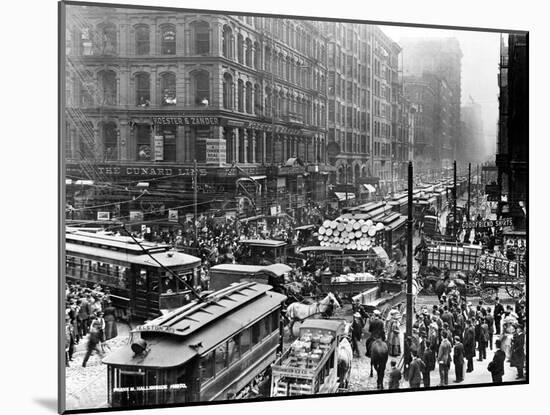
<point x="89" y="316"/>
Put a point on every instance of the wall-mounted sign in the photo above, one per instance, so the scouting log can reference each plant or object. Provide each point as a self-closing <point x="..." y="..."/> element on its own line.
<point x="172" y="215"/>
<point x="136" y="215"/>
<point x="215" y="151"/>
<point x="186" y="120"/>
<point x="487" y="223"/>
<point x="103" y="215"/>
<point x="159" y="148"/>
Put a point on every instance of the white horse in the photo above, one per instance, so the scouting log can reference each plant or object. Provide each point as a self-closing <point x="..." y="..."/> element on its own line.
<point x="345" y="357"/>
<point x="299" y="311"/>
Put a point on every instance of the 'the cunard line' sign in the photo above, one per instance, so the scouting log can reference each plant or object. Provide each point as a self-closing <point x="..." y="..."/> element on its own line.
<point x="148" y="171"/>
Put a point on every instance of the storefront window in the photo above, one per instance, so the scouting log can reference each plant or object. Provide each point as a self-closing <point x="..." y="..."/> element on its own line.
<point x="169" y="134"/>
<point x="143" y="142"/>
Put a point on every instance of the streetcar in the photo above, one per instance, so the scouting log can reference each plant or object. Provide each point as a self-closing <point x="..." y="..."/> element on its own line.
<point x="139" y="286"/>
<point x="263" y="252"/>
<point x="204" y="351"/>
<point x="223" y="275"/>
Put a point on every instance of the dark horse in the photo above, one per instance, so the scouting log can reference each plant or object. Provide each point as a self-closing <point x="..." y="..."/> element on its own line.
<point x="377" y="350"/>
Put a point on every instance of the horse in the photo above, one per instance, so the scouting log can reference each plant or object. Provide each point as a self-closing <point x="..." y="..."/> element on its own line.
<point x="378" y="360"/>
<point x="345" y="357"/>
<point x="299" y="311"/>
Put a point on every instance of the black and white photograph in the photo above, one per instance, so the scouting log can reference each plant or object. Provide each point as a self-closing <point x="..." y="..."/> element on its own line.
<point x="261" y="207"/>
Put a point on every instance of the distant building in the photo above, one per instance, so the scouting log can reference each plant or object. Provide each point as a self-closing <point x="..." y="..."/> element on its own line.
<point x="433" y="67"/>
<point x="472" y="143"/>
<point x="513" y="132"/>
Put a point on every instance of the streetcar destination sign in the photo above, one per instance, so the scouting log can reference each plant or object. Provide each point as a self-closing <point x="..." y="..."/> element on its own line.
<point x="147" y="327"/>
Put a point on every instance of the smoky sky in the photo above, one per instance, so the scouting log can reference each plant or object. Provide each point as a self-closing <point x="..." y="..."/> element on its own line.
<point x="481" y="55"/>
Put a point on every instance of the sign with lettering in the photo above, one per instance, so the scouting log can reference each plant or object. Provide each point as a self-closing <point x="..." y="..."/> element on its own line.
<point x="295" y="372"/>
<point x="159" y="148"/>
<point x="148" y="327"/>
<point x="136" y="215"/>
<point x="215" y="151"/>
<point x="141" y="171"/>
<point x="279" y="129"/>
<point x="487" y="223"/>
<point x="172" y="215"/>
<point x="103" y="215"/>
<point x="498" y="265"/>
<point x="186" y="120"/>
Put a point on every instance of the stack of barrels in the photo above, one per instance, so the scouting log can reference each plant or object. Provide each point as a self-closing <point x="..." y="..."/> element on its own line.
<point x="349" y="233"/>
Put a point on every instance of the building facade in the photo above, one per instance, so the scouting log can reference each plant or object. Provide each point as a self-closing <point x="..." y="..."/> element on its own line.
<point x="364" y="104"/>
<point x="149" y="94"/>
<point x="513" y="133"/>
<point x="436" y="65"/>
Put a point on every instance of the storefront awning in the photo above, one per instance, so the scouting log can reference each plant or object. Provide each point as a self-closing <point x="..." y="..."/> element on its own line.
<point x="369" y="187"/>
<point x="342" y="196"/>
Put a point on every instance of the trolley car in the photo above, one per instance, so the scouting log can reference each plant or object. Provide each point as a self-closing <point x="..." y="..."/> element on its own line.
<point x="137" y="284"/>
<point x="203" y="351"/>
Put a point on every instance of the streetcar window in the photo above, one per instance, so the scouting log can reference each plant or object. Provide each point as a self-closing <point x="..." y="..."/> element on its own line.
<point x="246" y="340"/>
<point x="220" y="357"/>
<point x="256" y="333"/>
<point x="169" y="284"/>
<point x="141" y="278"/>
<point x="207" y="367"/>
<point x="233" y="353"/>
<point x="274" y="321"/>
<point x="264" y="329"/>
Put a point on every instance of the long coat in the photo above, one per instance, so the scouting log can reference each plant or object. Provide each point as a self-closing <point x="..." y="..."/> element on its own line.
<point x="518" y="352"/>
<point x="469" y="343"/>
<point x="415" y="371"/>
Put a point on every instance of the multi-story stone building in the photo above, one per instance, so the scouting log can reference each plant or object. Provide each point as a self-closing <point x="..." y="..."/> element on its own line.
<point x="513" y="130"/>
<point x="148" y="93"/>
<point x="363" y="94"/>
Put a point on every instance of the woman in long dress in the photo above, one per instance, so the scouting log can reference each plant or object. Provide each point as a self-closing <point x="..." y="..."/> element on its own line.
<point x="110" y="321"/>
<point x="508" y="323"/>
<point x="394" y="341"/>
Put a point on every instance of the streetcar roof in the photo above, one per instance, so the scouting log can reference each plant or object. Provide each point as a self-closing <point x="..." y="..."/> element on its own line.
<point x="277" y="269"/>
<point x="166" y="258"/>
<point x="198" y="328"/>
<point x="112" y="241"/>
<point x="322" y="249"/>
<point x="263" y="242"/>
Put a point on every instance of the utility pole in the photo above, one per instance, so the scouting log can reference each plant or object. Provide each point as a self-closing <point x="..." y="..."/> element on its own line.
<point x="410" y="254"/>
<point x="455" y="221"/>
<point x="469" y="191"/>
<point x="195" y="185"/>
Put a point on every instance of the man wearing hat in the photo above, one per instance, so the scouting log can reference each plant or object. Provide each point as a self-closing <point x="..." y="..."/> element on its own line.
<point x="69" y="340"/>
<point x="458" y="360"/>
<point x="444" y="359"/>
<point x="93" y="343"/>
<point x="496" y="366"/>
<point x="356" y="332"/>
<point x="518" y="351"/>
<point x="469" y="345"/>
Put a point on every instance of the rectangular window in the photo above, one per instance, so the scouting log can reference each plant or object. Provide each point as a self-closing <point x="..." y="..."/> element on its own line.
<point x="245" y="341"/>
<point x="233" y="351"/>
<point x="220" y="358"/>
<point x="206" y="367"/>
<point x="169" y="135"/>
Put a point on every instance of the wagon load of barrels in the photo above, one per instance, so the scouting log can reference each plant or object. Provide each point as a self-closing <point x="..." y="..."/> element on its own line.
<point x="352" y="234"/>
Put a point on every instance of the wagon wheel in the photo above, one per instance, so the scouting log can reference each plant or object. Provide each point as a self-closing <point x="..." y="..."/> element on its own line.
<point x="489" y="294"/>
<point x="514" y="291"/>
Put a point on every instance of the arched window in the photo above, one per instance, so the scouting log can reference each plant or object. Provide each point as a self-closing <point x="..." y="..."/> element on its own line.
<point x="86" y="84"/>
<point x="107" y="84"/>
<point x="86" y="41"/>
<point x="282" y="104"/>
<point x="110" y="141"/>
<point x="107" y="39"/>
<point x="227" y="42"/>
<point x="202" y="37"/>
<point x="257" y="55"/>
<point x="258" y="107"/>
<point x="201" y="82"/>
<point x="240" y="48"/>
<point x="168" y="40"/>
<point x="268" y="64"/>
<point x="168" y="88"/>
<point x="142" y="40"/>
<point x="143" y="89"/>
<point x="268" y="102"/>
<point x="227" y="91"/>
<point x="248" y="59"/>
<point x="240" y="95"/>
<point x="249" y="97"/>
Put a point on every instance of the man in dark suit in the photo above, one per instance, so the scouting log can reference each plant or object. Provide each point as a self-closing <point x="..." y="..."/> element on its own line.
<point x="444" y="359"/>
<point x="447" y="317"/>
<point x="469" y="345"/>
<point x="496" y="366"/>
<point x="517" y="359"/>
<point x="489" y="318"/>
<point x="458" y="360"/>
<point x="428" y="358"/>
<point x="497" y="314"/>
<point x="395" y="376"/>
<point x="415" y="371"/>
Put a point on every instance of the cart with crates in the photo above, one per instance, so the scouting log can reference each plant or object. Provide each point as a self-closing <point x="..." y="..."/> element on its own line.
<point x="309" y="366"/>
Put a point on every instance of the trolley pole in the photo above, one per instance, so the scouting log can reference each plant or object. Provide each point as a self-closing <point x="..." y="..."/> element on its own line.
<point x="469" y="191"/>
<point x="455" y="201"/>
<point x="195" y="185"/>
<point x="410" y="255"/>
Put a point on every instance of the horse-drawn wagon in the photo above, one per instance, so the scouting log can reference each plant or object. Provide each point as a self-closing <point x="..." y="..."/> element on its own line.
<point x="493" y="273"/>
<point x="310" y="365"/>
<point x="387" y="294"/>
